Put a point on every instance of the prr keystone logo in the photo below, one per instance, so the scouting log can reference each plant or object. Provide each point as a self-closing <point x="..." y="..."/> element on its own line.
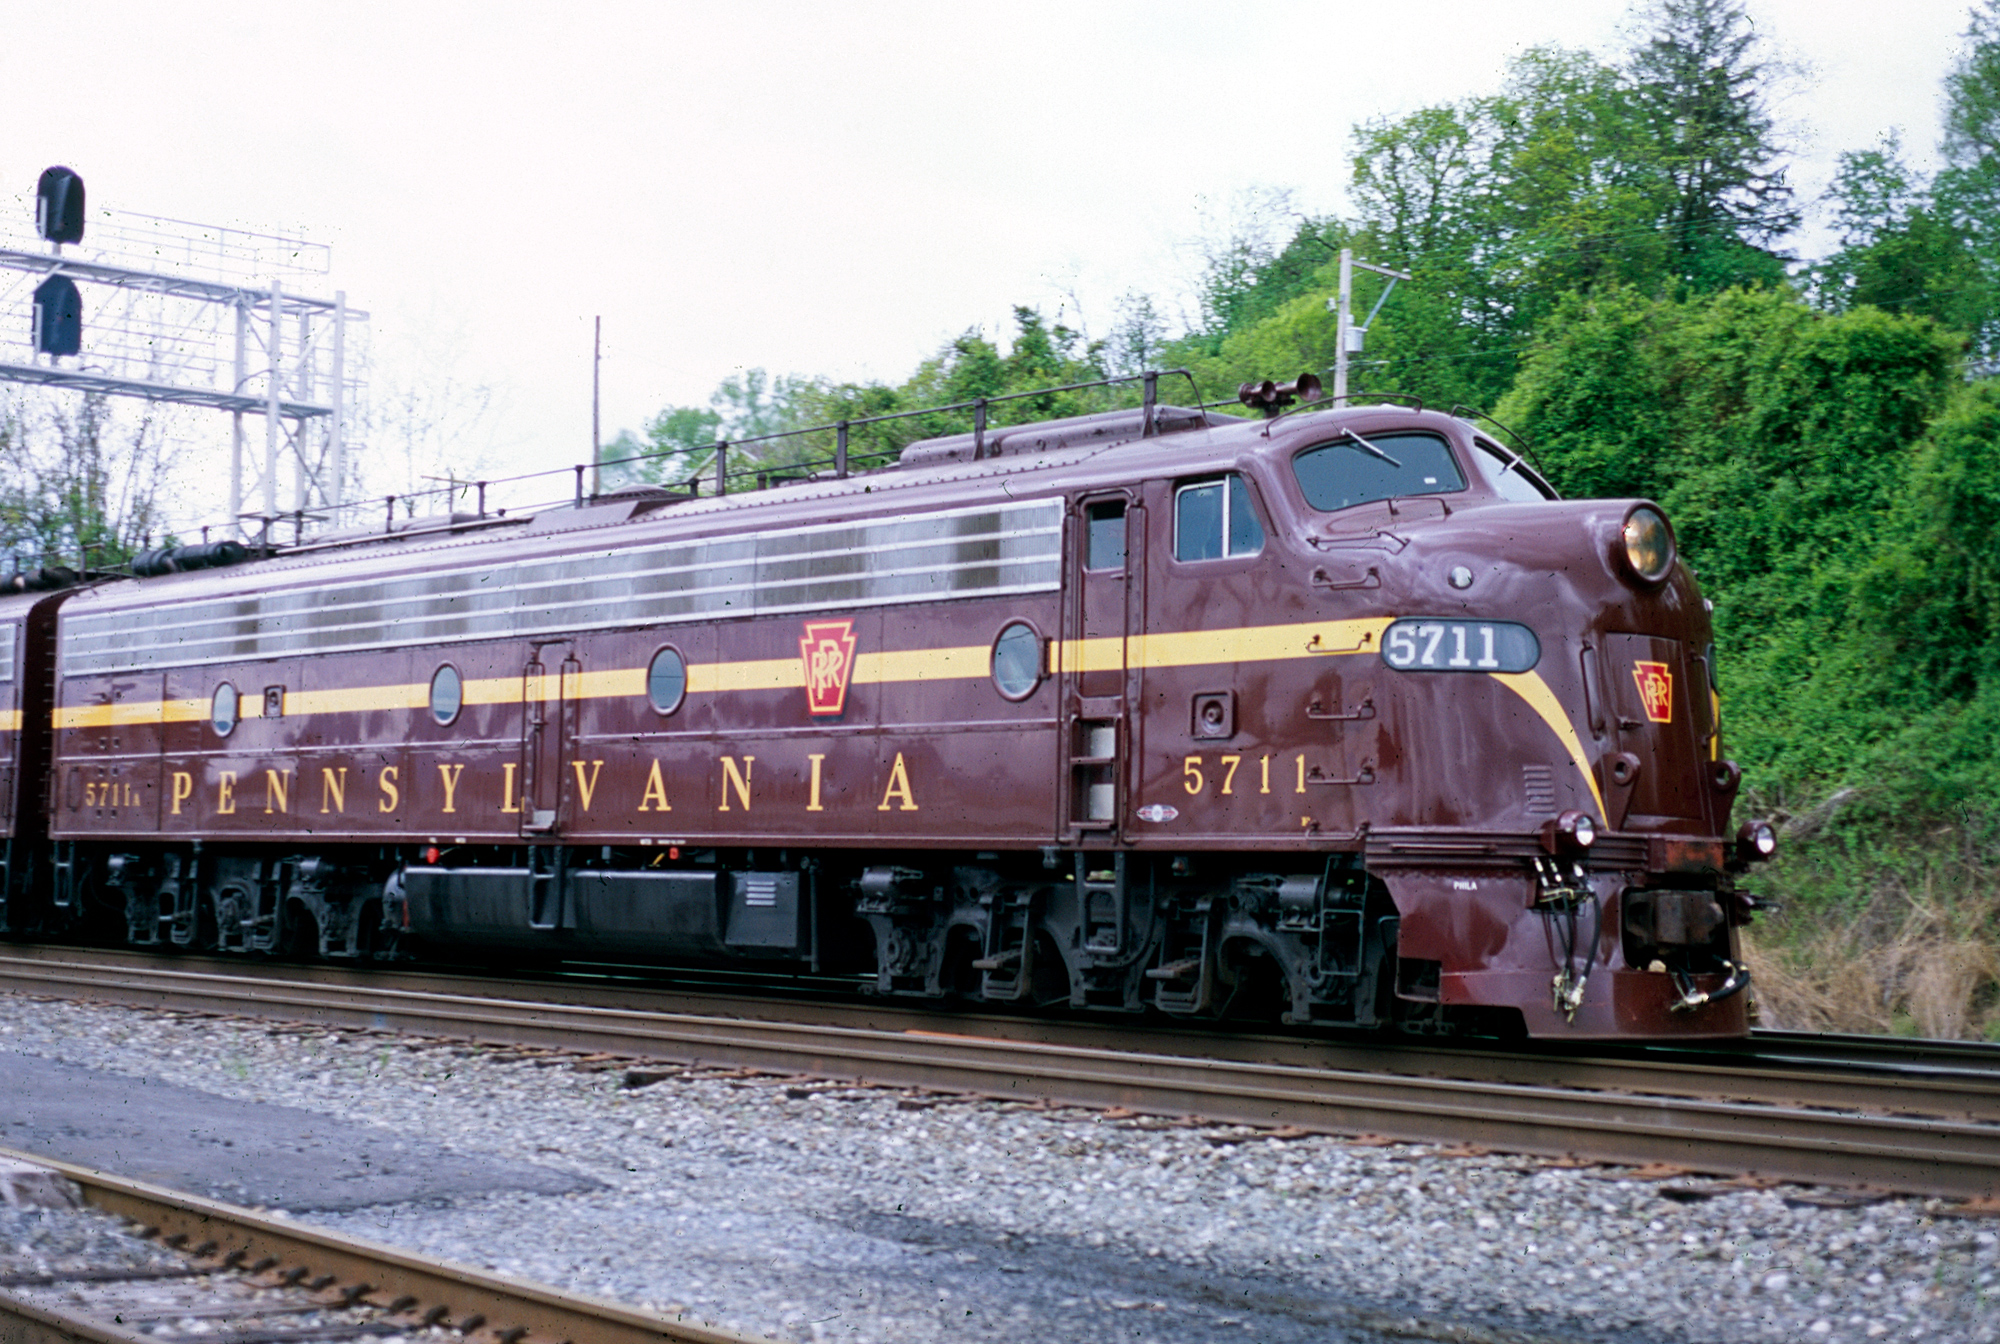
<point x="826" y="651"/>
<point x="1656" y="690"/>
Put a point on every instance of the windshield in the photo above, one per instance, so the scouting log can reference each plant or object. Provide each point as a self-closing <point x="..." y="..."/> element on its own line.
<point x="1360" y="468"/>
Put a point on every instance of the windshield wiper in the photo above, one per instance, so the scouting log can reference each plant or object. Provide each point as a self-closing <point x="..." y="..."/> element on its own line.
<point x="1371" y="448"/>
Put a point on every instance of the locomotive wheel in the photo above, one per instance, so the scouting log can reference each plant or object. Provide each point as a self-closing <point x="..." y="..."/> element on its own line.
<point x="1048" y="984"/>
<point x="298" y="937"/>
<point x="99" y="912"/>
<point x="1256" y="988"/>
<point x="958" y="979"/>
<point x="205" y="937"/>
<point x="228" y="913"/>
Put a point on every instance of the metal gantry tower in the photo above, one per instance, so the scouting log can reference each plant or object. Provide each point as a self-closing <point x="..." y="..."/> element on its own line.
<point x="197" y="315"/>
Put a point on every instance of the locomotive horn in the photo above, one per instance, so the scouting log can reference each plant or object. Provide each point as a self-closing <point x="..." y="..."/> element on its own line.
<point x="1272" y="398"/>
<point x="1262" y="395"/>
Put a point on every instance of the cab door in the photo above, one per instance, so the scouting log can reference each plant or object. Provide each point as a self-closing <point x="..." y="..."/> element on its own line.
<point x="1106" y="609"/>
<point x="548" y="731"/>
<point x="549" y="686"/>
<point x="11" y="703"/>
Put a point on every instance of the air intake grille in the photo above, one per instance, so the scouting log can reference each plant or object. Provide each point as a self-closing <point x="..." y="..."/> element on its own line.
<point x="1538" y="782"/>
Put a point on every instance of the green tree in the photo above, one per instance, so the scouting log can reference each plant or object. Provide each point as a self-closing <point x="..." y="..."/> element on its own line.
<point x="1418" y="180"/>
<point x="1499" y="205"/>
<point x="1662" y="174"/>
<point x="1782" y="442"/>
<point x="676" y="444"/>
<point x="1243" y="259"/>
<point x="1971" y="178"/>
<point x="1874" y="189"/>
<point x="753" y="404"/>
<point x="79" y="482"/>
<point x="746" y="409"/>
<point x="1699" y="80"/>
<point x="1045" y="356"/>
<point x="1967" y="189"/>
<point x="823" y="402"/>
<point x="1897" y="249"/>
<point x="1929" y="603"/>
<point x="1139" y="337"/>
<point x="684" y="429"/>
<point x="1658" y="175"/>
<point x="806" y="412"/>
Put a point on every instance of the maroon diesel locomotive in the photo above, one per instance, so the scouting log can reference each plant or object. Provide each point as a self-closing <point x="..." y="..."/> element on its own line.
<point x="1335" y="716"/>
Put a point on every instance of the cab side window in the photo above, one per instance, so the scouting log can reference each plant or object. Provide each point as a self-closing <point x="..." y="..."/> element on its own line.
<point x="1214" y="520"/>
<point x="1510" y="475"/>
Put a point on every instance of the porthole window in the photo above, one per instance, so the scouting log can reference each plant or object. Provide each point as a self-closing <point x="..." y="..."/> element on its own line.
<point x="667" y="680"/>
<point x="1017" y="661"/>
<point x="222" y="710"/>
<point x="447" y="694"/>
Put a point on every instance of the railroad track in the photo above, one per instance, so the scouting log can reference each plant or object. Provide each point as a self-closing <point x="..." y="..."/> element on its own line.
<point x="217" y="1274"/>
<point x="1851" y="1117"/>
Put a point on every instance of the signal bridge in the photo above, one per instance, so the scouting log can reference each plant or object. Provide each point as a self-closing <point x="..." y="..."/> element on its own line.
<point x="170" y="311"/>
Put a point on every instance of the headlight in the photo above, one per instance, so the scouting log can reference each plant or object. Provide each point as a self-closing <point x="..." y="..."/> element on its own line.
<point x="1649" y="544"/>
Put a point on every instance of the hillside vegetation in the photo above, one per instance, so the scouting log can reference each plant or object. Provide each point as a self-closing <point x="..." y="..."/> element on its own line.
<point x="1604" y="257"/>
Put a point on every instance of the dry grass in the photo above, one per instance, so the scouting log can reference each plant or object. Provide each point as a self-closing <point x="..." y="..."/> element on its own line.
<point x="1920" y="956"/>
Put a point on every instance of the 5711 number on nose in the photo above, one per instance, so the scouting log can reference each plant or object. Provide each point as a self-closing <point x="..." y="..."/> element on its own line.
<point x="1421" y="645"/>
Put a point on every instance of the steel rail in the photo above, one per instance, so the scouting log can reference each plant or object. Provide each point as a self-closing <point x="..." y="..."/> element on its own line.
<point x="1824" y="1139"/>
<point x="1832" y="1078"/>
<point x="481" y="1307"/>
<point x="1858" y="1050"/>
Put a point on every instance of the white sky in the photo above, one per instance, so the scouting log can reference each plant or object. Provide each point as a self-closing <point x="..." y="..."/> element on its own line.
<point x="809" y="188"/>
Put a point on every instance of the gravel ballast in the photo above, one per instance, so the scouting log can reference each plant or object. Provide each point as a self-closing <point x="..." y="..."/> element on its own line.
<point x="37" y="1242"/>
<point x="808" y="1211"/>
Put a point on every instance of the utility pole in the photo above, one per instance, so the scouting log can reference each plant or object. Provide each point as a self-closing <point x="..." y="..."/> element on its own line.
<point x="1349" y="338"/>
<point x="596" y="434"/>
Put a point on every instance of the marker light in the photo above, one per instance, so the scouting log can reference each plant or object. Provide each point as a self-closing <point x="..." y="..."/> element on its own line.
<point x="1571" y="833"/>
<point x="1649" y="544"/>
<point x="1756" y="841"/>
